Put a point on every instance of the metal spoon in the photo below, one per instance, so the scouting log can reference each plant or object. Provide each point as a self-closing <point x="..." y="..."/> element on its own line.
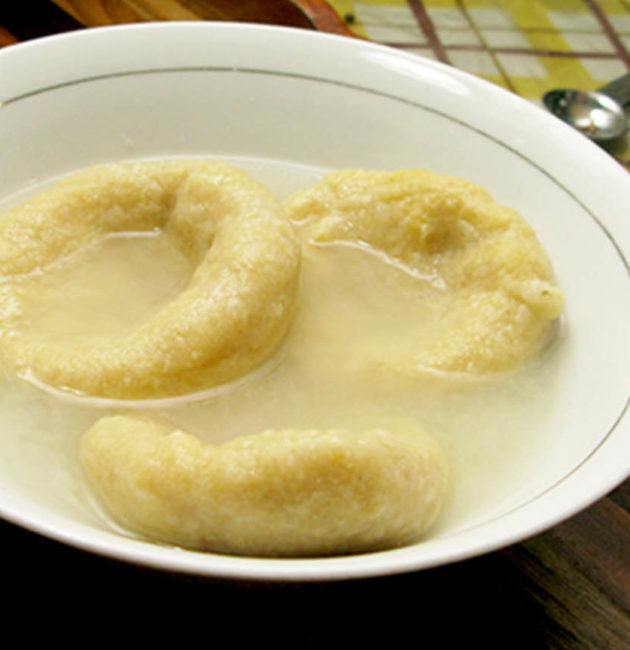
<point x="598" y="114"/>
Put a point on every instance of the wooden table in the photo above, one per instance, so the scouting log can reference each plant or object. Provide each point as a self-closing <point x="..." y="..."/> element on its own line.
<point x="566" y="588"/>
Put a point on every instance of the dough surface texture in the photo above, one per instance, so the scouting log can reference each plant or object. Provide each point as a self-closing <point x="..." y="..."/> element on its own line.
<point x="227" y="321"/>
<point x="492" y="282"/>
<point x="274" y="493"/>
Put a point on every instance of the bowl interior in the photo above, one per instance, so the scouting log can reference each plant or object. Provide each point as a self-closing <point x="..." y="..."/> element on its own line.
<point x="541" y="448"/>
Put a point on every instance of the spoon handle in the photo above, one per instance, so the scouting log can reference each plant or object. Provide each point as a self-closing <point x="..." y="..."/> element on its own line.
<point x="619" y="90"/>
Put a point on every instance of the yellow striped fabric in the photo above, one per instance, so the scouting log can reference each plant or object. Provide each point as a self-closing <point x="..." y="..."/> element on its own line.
<point x="526" y="46"/>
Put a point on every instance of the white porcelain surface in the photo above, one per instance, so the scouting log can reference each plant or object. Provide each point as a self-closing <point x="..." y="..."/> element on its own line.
<point x="245" y="91"/>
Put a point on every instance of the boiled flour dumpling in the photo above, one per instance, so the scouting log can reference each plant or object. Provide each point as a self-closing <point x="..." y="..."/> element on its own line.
<point x="274" y="493"/>
<point x="228" y="320"/>
<point x="493" y="283"/>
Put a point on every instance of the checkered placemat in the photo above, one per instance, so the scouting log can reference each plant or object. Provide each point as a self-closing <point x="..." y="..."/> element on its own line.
<point x="526" y="46"/>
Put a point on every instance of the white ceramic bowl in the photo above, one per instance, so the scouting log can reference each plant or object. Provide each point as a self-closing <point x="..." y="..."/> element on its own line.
<point x="248" y="92"/>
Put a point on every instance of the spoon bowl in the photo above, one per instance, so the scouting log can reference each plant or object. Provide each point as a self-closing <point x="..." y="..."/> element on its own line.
<point x="594" y="114"/>
<point x="598" y="114"/>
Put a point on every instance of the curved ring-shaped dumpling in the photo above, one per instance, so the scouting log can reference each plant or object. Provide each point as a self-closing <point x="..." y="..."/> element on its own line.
<point x="227" y="321"/>
<point x="275" y="493"/>
<point x="494" y="284"/>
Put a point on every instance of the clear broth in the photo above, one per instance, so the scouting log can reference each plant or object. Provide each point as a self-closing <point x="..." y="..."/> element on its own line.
<point x="352" y="303"/>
